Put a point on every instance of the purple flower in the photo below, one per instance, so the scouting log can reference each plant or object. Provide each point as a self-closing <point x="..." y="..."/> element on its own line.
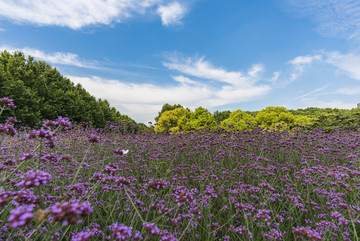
<point x="4" y="197"/>
<point x="137" y="235"/>
<point x="11" y="120"/>
<point x="34" y="179"/>
<point x="8" y="129"/>
<point x="8" y="102"/>
<point x="151" y="228"/>
<point x="20" y="216"/>
<point x="93" y="138"/>
<point x="26" y="197"/>
<point x="68" y="213"/>
<point x="307" y="232"/>
<point x="64" y="122"/>
<point x="83" y="236"/>
<point x="157" y="184"/>
<point x="274" y="234"/>
<point x="49" y="123"/>
<point x="43" y="134"/>
<point x="120" y="231"/>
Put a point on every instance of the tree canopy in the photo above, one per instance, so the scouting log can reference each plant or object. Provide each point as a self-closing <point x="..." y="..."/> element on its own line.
<point x="41" y="93"/>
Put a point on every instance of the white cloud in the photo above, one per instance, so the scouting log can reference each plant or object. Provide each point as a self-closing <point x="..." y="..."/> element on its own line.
<point x="172" y="13"/>
<point x="2" y="29"/>
<point x="183" y="80"/>
<point x="347" y="63"/>
<point x="80" y="13"/>
<point x="349" y="91"/>
<point x="203" y="69"/>
<point x="144" y="97"/>
<point x="61" y="58"/>
<point x="300" y="63"/>
<point x="275" y="77"/>
<point x="142" y="100"/>
<point x="302" y="60"/>
<point x="327" y="104"/>
<point x="334" y="17"/>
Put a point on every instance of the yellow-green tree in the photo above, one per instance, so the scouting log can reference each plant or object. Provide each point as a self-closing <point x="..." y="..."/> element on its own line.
<point x="201" y="119"/>
<point x="275" y="117"/>
<point x="173" y="121"/>
<point x="238" y="121"/>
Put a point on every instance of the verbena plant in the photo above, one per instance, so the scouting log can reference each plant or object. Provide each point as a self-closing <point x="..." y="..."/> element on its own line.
<point x="63" y="182"/>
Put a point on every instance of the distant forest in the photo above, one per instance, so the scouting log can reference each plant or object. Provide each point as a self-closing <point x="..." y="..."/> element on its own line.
<point x="41" y="93"/>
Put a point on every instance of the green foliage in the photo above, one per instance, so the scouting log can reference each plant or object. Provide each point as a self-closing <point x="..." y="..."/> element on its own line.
<point x="201" y="119"/>
<point x="173" y="121"/>
<point x="41" y="93"/>
<point x="278" y="117"/>
<point x="166" y="107"/>
<point x="238" y="121"/>
<point x="219" y="116"/>
<point x="329" y="118"/>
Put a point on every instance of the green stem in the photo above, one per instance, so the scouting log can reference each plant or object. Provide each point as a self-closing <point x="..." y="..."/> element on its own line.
<point x="40" y="155"/>
<point x="18" y="167"/>
<point x="2" y="109"/>
<point x="28" y="238"/>
<point x="185" y="230"/>
<point x="64" y="233"/>
<point x="80" y="166"/>
<point x="132" y="203"/>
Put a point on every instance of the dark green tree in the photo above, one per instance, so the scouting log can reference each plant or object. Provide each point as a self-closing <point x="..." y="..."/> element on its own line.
<point x="41" y="93"/>
<point x="219" y="116"/>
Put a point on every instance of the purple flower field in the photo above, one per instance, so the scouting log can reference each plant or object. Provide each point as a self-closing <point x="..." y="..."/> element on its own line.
<point x="65" y="182"/>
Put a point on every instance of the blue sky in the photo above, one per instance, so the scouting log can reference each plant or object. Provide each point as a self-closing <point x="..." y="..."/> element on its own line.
<point x="233" y="54"/>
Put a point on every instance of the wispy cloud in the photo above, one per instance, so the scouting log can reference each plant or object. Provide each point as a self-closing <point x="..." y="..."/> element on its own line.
<point x="203" y="69"/>
<point x="2" y="29"/>
<point x="80" y="13"/>
<point x="300" y="63"/>
<point x="347" y="63"/>
<point x="172" y="14"/>
<point x="334" y="17"/>
<point x="349" y="91"/>
<point x="311" y="93"/>
<point x="60" y="58"/>
<point x="137" y="99"/>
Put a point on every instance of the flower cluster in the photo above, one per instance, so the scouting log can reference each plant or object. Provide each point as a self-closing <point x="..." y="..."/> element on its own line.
<point x="68" y="213"/>
<point x="26" y="197"/>
<point x="34" y="179"/>
<point x="152" y="228"/>
<point x="120" y="231"/>
<point x="307" y="232"/>
<point x="8" y="102"/>
<point x="4" y="196"/>
<point x="93" y="138"/>
<point x="43" y="133"/>
<point x="157" y="184"/>
<point x="20" y="216"/>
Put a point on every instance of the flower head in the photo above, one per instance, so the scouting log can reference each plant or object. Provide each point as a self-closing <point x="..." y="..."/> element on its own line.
<point x="68" y="213"/>
<point x="120" y="231"/>
<point x="34" y="179"/>
<point x="20" y="216"/>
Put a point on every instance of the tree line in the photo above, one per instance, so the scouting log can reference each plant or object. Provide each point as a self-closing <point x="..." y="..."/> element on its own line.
<point x="176" y="118"/>
<point x="41" y="93"/>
